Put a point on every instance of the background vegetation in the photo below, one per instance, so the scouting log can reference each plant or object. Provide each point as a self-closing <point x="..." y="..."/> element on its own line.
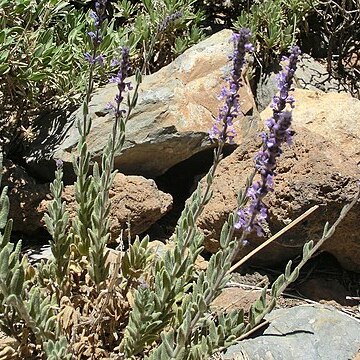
<point x="41" y="42"/>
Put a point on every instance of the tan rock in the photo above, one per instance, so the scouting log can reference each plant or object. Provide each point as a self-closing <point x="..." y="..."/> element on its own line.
<point x="311" y="171"/>
<point x="335" y="116"/>
<point x="25" y="195"/>
<point x="133" y="198"/>
<point x="235" y="299"/>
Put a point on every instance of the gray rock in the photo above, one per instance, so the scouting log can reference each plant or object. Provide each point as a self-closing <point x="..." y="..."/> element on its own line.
<point x="170" y="123"/>
<point x="313" y="75"/>
<point x="266" y="89"/>
<point x="310" y="75"/>
<point x="305" y="332"/>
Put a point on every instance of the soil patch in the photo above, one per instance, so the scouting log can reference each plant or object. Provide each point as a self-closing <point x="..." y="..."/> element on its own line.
<point x="322" y="280"/>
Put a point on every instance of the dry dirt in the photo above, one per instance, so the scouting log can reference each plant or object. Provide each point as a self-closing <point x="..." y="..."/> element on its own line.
<point x="321" y="281"/>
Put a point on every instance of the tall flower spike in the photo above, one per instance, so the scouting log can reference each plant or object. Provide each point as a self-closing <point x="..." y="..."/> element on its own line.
<point x="255" y="214"/>
<point x="119" y="79"/>
<point x="223" y="129"/>
<point x="168" y="20"/>
<point x="98" y="17"/>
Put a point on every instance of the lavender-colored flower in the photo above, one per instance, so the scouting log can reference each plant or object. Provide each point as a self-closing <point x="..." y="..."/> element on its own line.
<point x="98" y="16"/>
<point x="95" y="37"/>
<point x="119" y="79"/>
<point x="93" y="60"/>
<point x="255" y="214"/>
<point x="59" y="163"/>
<point x="169" y="20"/>
<point x="223" y="129"/>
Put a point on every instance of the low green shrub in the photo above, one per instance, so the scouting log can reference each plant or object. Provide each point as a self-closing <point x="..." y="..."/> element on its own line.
<point x="275" y="24"/>
<point x="40" y="51"/>
<point x="41" y="42"/>
<point x="144" y="20"/>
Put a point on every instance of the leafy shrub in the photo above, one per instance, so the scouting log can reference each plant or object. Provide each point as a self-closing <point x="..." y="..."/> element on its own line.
<point x="41" y="62"/>
<point x="143" y="20"/>
<point x="41" y="42"/>
<point x="274" y="24"/>
<point x="39" y="51"/>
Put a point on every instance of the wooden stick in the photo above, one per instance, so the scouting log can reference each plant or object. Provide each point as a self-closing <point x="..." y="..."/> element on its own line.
<point x="259" y="326"/>
<point x="278" y="234"/>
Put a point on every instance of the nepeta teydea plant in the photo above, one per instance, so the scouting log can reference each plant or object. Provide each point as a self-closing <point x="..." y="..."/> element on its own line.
<point x="145" y="305"/>
<point x="171" y="314"/>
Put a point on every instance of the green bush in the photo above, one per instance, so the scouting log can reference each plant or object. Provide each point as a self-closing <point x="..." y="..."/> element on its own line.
<point x="142" y="20"/>
<point x="274" y="24"/>
<point x="41" y="61"/>
<point x="39" y="52"/>
<point x="42" y="65"/>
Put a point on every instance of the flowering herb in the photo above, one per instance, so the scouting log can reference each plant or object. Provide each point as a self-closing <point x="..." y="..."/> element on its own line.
<point x="161" y="28"/>
<point x="171" y="307"/>
<point x="255" y="214"/>
<point x="223" y="129"/>
<point x="85" y="201"/>
<point x="103" y="176"/>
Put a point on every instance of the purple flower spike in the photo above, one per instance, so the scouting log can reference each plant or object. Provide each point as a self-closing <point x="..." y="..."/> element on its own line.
<point x="97" y="60"/>
<point x="119" y="79"/>
<point x="98" y="17"/>
<point x="95" y="17"/>
<point x="169" y="20"/>
<point x="223" y="129"/>
<point x="253" y="217"/>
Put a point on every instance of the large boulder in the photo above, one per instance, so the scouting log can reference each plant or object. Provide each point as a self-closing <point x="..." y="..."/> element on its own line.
<point x="335" y="116"/>
<point x="319" y="168"/>
<point x="170" y="123"/>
